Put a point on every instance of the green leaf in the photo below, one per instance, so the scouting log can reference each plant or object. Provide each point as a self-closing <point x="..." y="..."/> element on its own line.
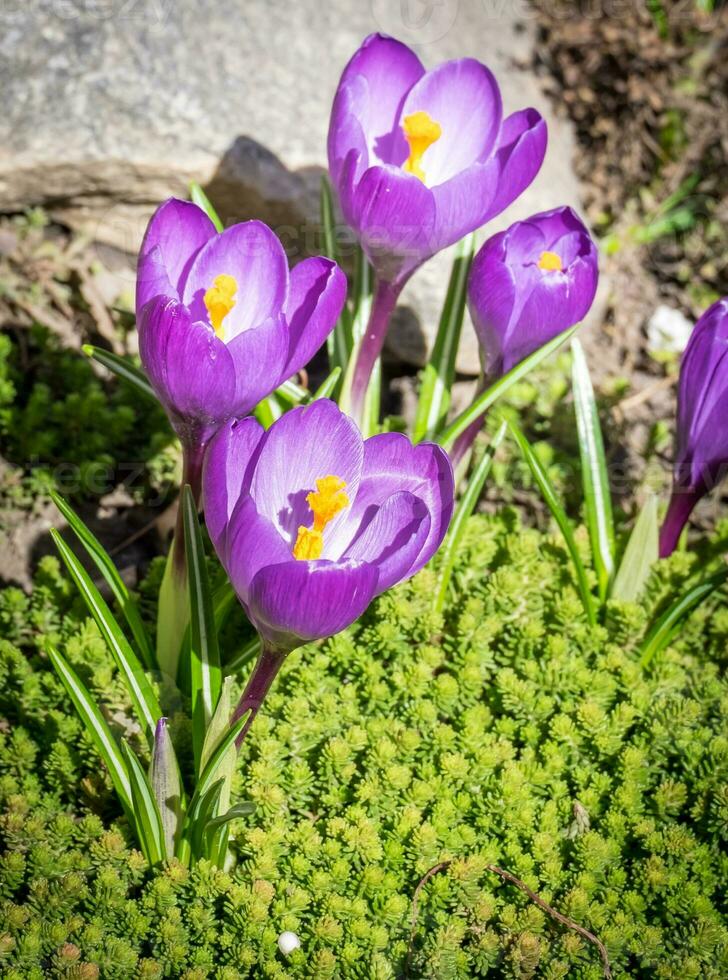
<point x="340" y="342"/>
<point x="665" y="627"/>
<point x="291" y="393"/>
<point x="362" y="305"/>
<point x="102" y="560"/>
<point x="205" y="673"/>
<point x="594" y="476"/>
<point x="198" y="197"/>
<point x="164" y="776"/>
<point x="268" y="411"/>
<point x="212" y="769"/>
<point x="483" y="402"/>
<point x="549" y="494"/>
<point x="146" y="812"/>
<point x="217" y="841"/>
<point x="328" y="386"/>
<point x="234" y="813"/>
<point x="641" y="553"/>
<point x="207" y="807"/>
<point x="439" y="373"/>
<point x="95" y="725"/>
<point x="464" y="510"/>
<point x="372" y="402"/>
<point x="122" y="367"/>
<point x="140" y="691"/>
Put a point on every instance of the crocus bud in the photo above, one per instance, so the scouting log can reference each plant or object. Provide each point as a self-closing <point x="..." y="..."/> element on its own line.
<point x="420" y="158"/>
<point x="528" y="284"/>
<point x="701" y="456"/>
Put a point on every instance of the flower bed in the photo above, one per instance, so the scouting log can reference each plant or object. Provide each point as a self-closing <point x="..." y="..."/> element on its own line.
<point x="516" y="735"/>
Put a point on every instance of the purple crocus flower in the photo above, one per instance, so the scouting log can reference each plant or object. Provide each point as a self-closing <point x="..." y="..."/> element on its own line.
<point x="701" y="456"/>
<point x="311" y="522"/>
<point x="528" y="284"/>
<point x="222" y="322"/>
<point x="419" y="159"/>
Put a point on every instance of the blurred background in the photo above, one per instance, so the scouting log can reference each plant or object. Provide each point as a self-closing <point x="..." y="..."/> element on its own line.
<point x="110" y="106"/>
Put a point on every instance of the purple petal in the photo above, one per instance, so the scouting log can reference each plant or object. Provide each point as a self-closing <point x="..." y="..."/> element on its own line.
<point x="464" y="98"/>
<point x="395" y="217"/>
<point x="392" y="464"/>
<point x="259" y="355"/>
<point x="464" y="202"/>
<point x="372" y="89"/>
<point x="702" y="395"/>
<point x="190" y="370"/>
<point x="226" y="461"/>
<point x="303" y="446"/>
<point x="254" y="257"/>
<point x="297" y="601"/>
<point x="521" y="151"/>
<point x="251" y="543"/>
<point x="491" y="301"/>
<point x="394" y="538"/>
<point x="315" y="300"/>
<point x="176" y="232"/>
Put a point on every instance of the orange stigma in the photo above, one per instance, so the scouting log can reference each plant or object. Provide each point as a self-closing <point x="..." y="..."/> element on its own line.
<point x="421" y="132"/>
<point x="325" y="501"/>
<point x="219" y="300"/>
<point x="550" y="262"/>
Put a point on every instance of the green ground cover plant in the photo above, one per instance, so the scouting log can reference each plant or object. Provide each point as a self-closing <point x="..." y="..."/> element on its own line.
<point x="506" y="730"/>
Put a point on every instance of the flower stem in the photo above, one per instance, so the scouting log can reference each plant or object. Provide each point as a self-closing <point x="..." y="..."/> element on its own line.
<point x="383" y="304"/>
<point x="264" y="673"/>
<point x="466" y="439"/>
<point x="682" y="502"/>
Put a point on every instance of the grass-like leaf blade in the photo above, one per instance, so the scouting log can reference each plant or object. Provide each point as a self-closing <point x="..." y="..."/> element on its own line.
<point x="96" y="726"/>
<point x="483" y="402"/>
<point x="559" y="514"/>
<point x="198" y="197"/>
<point x="140" y="690"/>
<point x="122" y="367"/>
<point x="327" y="386"/>
<point x="340" y="341"/>
<point x="464" y="510"/>
<point x="146" y="813"/>
<point x="664" y="628"/>
<point x="639" y="556"/>
<point x="205" y="673"/>
<point x="594" y="476"/>
<point x="439" y="372"/>
<point x="102" y="560"/>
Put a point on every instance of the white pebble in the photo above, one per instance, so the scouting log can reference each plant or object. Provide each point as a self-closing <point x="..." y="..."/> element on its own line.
<point x="287" y="942"/>
<point x="668" y="330"/>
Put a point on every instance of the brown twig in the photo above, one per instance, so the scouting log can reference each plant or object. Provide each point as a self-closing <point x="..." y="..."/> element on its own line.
<point x="536" y="899"/>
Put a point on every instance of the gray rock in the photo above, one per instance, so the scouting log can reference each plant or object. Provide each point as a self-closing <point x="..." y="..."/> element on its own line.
<point x="112" y="105"/>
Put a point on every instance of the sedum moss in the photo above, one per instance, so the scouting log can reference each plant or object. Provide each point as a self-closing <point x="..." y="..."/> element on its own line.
<point x="508" y="732"/>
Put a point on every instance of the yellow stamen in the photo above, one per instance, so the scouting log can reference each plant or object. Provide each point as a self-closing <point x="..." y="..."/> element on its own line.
<point x="325" y="501"/>
<point x="550" y="262"/>
<point x="421" y="132"/>
<point x="219" y="300"/>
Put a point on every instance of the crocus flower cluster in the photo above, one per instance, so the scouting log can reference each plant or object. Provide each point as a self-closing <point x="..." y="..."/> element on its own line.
<point x="528" y="284"/>
<point x="419" y="159"/>
<point x="701" y="458"/>
<point x="222" y="322"/>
